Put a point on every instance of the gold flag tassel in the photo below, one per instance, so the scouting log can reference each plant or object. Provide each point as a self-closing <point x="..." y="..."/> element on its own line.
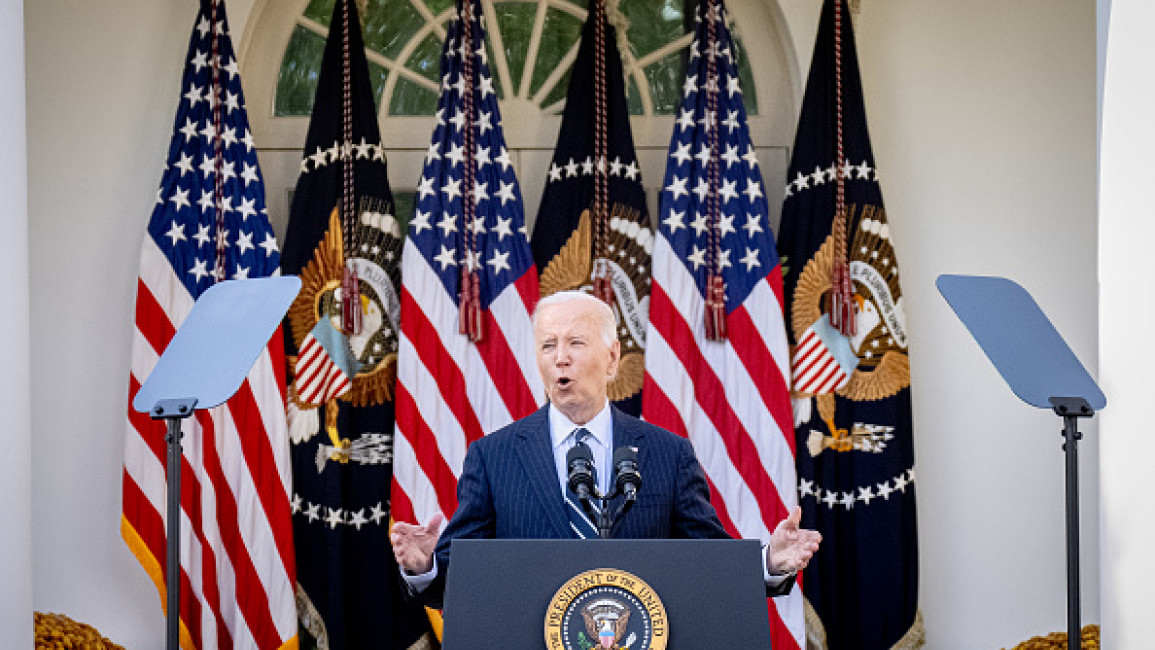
<point x="840" y="305"/>
<point x="715" y="285"/>
<point x="716" y="309"/>
<point x="469" y="312"/>
<point x="602" y="280"/>
<point x="350" y="283"/>
<point x="350" y="301"/>
<point x="603" y="283"/>
<point x="469" y="294"/>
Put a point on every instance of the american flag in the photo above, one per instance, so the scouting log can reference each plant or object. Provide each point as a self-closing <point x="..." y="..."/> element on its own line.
<point x="728" y="394"/>
<point x="454" y="387"/>
<point x="209" y="224"/>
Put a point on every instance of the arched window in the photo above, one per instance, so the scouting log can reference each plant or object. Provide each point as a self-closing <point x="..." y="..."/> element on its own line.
<point x="532" y="46"/>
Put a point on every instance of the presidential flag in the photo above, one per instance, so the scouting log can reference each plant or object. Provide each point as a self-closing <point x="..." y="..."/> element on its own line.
<point x="849" y="361"/>
<point x="466" y="360"/>
<point x="717" y="360"/>
<point x="209" y="224"/>
<point x="592" y="230"/>
<point x="345" y="243"/>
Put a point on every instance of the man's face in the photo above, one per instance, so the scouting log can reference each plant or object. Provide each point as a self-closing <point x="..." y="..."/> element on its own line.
<point x="575" y="363"/>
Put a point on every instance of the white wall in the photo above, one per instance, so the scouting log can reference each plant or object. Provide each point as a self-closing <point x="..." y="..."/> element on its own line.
<point x="1126" y="231"/>
<point x="15" y="395"/>
<point x="983" y="123"/>
<point x="983" y="117"/>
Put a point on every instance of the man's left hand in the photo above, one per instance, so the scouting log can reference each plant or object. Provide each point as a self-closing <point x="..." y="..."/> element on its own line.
<point x="791" y="547"/>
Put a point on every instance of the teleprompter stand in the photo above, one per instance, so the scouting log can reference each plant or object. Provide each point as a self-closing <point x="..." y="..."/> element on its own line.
<point x="204" y="365"/>
<point x="1042" y="370"/>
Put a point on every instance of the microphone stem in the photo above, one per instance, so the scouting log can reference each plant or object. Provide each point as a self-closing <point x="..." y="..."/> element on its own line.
<point x="604" y="521"/>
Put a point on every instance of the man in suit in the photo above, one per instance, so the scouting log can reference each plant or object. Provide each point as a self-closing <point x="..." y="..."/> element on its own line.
<point x="514" y="481"/>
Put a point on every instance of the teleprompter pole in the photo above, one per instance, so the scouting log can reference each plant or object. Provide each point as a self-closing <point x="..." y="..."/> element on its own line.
<point x="1071" y="409"/>
<point x="172" y="411"/>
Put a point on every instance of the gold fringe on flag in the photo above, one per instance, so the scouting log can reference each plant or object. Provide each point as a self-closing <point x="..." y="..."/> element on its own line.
<point x="914" y="638"/>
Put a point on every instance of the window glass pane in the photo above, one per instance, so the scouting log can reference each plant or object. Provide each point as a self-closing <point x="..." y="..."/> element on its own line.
<point x="438" y="6"/>
<point x="297" y="83"/>
<point x="516" y="21"/>
<point x="411" y="99"/>
<point x="560" y="33"/>
<point x="389" y="24"/>
<point x="666" y="78"/>
<point x="745" y="77"/>
<point x="559" y="91"/>
<point x="634" y="97"/>
<point x="377" y="76"/>
<point x="653" y="23"/>
<point x="426" y="59"/>
<point x="320" y="11"/>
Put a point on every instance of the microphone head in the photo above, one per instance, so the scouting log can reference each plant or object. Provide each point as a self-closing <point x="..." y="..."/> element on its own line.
<point x="629" y="478"/>
<point x="580" y="451"/>
<point x="625" y="454"/>
<point x="580" y="463"/>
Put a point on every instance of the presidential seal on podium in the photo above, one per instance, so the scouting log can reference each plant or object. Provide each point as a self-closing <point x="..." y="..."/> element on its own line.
<point x="606" y="609"/>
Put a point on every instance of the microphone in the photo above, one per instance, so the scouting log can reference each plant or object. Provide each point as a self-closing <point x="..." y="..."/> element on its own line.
<point x="580" y="461"/>
<point x="629" y="479"/>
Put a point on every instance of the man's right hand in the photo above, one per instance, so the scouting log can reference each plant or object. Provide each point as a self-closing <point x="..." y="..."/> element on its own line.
<point x="413" y="545"/>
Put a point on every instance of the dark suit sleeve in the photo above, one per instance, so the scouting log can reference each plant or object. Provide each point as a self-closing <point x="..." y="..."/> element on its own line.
<point x="694" y="516"/>
<point x="474" y="518"/>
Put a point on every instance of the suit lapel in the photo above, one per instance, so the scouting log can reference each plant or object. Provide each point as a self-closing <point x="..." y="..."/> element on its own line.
<point x="536" y="455"/>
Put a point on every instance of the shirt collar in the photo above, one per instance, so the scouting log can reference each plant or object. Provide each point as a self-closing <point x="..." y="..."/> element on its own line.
<point x="560" y="426"/>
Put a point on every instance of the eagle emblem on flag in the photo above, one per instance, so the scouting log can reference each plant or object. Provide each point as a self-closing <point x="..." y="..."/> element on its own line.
<point x="377" y="248"/>
<point x="372" y="351"/>
<point x="871" y="364"/>
<point x="879" y="342"/>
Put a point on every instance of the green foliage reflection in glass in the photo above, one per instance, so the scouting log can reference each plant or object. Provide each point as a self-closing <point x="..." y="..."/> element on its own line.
<point x="404" y="38"/>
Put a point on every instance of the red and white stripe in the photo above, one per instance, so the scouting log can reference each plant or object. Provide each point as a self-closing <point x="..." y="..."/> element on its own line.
<point x="237" y="568"/>
<point x="318" y="378"/>
<point x="815" y="369"/>
<point x="451" y="391"/>
<point x="732" y="400"/>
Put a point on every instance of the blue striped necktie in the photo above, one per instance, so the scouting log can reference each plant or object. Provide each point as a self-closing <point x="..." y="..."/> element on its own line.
<point x="578" y="520"/>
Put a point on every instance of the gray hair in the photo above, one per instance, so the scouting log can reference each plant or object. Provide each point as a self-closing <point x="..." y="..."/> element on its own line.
<point x="609" y="324"/>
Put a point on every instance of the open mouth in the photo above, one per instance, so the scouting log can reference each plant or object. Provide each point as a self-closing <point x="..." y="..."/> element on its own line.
<point x="564" y="382"/>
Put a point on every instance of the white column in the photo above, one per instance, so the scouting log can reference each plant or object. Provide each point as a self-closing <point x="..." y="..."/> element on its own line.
<point x="15" y="399"/>
<point x="1126" y="324"/>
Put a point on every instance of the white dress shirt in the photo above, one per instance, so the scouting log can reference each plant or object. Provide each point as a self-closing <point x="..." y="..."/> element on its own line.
<point x="600" y="441"/>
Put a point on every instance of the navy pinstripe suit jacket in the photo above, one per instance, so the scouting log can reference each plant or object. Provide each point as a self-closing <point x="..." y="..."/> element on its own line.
<point x="509" y="489"/>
